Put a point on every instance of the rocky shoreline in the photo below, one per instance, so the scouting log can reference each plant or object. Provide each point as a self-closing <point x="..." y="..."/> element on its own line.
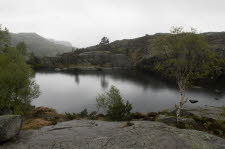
<point x="144" y="131"/>
<point x="89" y="68"/>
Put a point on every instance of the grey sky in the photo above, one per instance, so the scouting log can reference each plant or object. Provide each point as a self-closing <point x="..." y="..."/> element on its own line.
<point x="84" y="22"/>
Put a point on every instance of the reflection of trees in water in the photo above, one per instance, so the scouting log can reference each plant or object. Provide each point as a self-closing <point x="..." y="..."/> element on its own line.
<point x="77" y="79"/>
<point x="138" y="78"/>
<point x="104" y="82"/>
<point x="144" y="80"/>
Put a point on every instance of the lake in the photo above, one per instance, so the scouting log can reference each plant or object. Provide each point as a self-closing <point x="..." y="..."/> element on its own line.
<point x="72" y="92"/>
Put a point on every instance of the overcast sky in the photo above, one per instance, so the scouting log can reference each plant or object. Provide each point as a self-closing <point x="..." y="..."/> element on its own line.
<point x="84" y="22"/>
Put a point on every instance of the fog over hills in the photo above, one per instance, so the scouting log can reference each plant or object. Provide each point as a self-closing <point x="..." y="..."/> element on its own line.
<point x="41" y="46"/>
<point x="65" y="43"/>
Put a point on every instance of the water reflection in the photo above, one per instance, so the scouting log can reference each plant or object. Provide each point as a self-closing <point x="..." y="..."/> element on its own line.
<point x="77" y="79"/>
<point x="104" y="81"/>
<point x="71" y="92"/>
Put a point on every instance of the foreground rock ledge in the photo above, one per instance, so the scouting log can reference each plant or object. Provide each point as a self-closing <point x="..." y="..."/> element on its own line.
<point x="100" y="134"/>
<point x="10" y="126"/>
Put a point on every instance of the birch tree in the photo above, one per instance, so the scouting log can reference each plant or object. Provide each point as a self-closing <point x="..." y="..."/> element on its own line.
<point x="185" y="57"/>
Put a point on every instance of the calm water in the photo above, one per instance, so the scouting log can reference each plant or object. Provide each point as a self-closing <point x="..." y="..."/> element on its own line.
<point x="72" y="92"/>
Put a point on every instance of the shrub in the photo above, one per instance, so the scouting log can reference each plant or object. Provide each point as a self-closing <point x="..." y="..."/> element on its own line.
<point x="48" y="114"/>
<point x="17" y="86"/>
<point x="84" y="113"/>
<point x="138" y="115"/>
<point x="119" y="111"/>
<point x="43" y="111"/>
<point x="71" y="116"/>
<point x="93" y="115"/>
<point x="113" y="104"/>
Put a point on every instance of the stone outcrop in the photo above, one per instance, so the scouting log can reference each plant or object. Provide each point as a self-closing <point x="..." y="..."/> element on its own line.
<point x="10" y="126"/>
<point x="211" y="112"/>
<point x="110" y="135"/>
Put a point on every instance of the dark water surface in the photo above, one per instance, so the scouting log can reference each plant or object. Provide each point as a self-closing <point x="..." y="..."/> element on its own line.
<point x="72" y="92"/>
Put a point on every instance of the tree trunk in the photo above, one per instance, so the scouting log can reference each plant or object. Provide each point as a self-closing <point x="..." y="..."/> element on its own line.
<point x="182" y="99"/>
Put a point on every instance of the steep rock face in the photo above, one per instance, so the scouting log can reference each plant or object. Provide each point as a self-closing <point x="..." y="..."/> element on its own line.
<point x="111" y="135"/>
<point x="10" y="126"/>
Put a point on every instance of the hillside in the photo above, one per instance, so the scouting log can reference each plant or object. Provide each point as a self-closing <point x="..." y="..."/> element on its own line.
<point x="128" y="54"/>
<point x="41" y="46"/>
<point x="65" y="43"/>
<point x="141" y="47"/>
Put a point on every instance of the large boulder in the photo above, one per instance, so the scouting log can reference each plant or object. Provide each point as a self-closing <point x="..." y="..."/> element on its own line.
<point x="169" y="120"/>
<point x="10" y="126"/>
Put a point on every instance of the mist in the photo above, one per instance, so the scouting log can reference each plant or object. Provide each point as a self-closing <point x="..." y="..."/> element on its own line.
<point x="85" y="22"/>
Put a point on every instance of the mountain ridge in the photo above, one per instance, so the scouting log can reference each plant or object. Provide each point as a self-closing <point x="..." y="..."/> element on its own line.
<point x="39" y="45"/>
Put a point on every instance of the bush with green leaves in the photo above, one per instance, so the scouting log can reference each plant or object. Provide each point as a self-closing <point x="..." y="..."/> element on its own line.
<point x="93" y="115"/>
<point x="17" y="88"/>
<point x="186" y="57"/>
<point x="116" y="108"/>
<point x="71" y="116"/>
<point x="84" y="113"/>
